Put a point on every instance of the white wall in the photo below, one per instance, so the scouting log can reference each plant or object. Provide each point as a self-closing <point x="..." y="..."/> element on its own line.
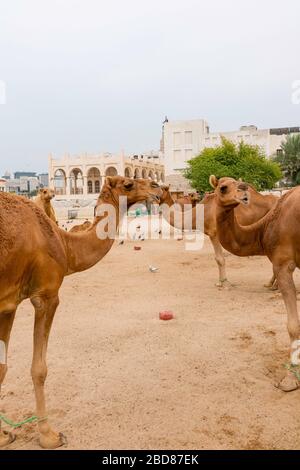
<point x="182" y="141"/>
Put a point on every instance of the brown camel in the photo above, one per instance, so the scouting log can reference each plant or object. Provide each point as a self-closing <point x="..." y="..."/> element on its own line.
<point x="276" y="236"/>
<point x="43" y="201"/>
<point x="258" y="207"/>
<point x="190" y="199"/>
<point x="35" y="256"/>
<point x="82" y="227"/>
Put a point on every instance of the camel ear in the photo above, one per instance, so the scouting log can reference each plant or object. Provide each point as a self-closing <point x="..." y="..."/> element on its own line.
<point x="213" y="181"/>
<point x="166" y="187"/>
<point x="240" y="179"/>
<point x="110" y="181"/>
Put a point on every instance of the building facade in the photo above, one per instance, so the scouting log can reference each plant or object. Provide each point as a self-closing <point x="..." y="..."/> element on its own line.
<point x="23" y="183"/>
<point x="44" y="179"/>
<point x="2" y="185"/>
<point x="83" y="176"/>
<point x="183" y="140"/>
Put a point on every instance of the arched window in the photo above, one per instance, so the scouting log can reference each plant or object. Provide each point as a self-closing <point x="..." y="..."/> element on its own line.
<point x="127" y="172"/>
<point x="94" y="178"/>
<point x="76" y="181"/>
<point x="97" y="186"/>
<point x="60" y="182"/>
<point x="137" y="173"/>
<point x="111" y="171"/>
<point x="90" y="187"/>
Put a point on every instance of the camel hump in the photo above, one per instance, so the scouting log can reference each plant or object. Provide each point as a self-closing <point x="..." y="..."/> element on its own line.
<point x="23" y="223"/>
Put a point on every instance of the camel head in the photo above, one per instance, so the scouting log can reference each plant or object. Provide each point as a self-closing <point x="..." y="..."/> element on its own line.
<point x="136" y="190"/>
<point x="46" y="194"/>
<point x="194" y="198"/>
<point x="230" y="192"/>
<point x="87" y="224"/>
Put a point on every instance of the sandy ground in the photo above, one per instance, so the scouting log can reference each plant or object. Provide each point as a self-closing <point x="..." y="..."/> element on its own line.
<point x="121" y="378"/>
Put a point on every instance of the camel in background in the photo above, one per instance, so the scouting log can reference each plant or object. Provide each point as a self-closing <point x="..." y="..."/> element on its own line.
<point x="258" y="207"/>
<point x="82" y="227"/>
<point x="36" y="255"/>
<point x="43" y="201"/>
<point x="276" y="236"/>
<point x="191" y="198"/>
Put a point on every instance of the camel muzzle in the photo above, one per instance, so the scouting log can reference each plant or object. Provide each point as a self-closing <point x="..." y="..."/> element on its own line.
<point x="154" y="198"/>
<point x="245" y="199"/>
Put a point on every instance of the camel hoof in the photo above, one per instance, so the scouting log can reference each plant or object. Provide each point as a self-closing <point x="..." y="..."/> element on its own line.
<point x="52" y="440"/>
<point x="6" y="438"/>
<point x="288" y="384"/>
<point x="224" y="284"/>
<point x="268" y="285"/>
<point x="276" y="295"/>
<point x="272" y="287"/>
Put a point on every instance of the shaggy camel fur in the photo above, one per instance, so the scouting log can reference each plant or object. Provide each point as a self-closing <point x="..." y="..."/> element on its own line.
<point x="276" y="236"/>
<point x="257" y="208"/>
<point x="82" y="227"/>
<point x="43" y="201"/>
<point x="35" y="256"/>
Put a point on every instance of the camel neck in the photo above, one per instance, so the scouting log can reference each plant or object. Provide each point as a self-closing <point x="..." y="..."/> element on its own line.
<point x="238" y="239"/>
<point x="85" y="249"/>
<point x="261" y="203"/>
<point x="169" y="201"/>
<point x="177" y="215"/>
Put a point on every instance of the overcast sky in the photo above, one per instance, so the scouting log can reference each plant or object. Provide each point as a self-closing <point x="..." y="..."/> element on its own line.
<point x="94" y="75"/>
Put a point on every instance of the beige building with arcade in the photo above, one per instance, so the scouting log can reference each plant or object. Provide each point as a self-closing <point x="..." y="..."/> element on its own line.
<point x="81" y="177"/>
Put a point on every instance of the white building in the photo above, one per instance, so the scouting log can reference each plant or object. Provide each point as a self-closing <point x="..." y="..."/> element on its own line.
<point x="183" y="140"/>
<point x="23" y="183"/>
<point x="44" y="179"/>
<point x="81" y="177"/>
<point x="2" y="185"/>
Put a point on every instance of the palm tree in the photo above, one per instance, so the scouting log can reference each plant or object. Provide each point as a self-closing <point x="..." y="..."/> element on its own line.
<point x="290" y="158"/>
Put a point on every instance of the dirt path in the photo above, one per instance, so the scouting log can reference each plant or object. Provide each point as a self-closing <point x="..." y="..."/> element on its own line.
<point x="120" y="378"/>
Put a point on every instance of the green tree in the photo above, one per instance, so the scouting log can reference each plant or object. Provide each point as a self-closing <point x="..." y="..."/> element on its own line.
<point x="237" y="161"/>
<point x="289" y="159"/>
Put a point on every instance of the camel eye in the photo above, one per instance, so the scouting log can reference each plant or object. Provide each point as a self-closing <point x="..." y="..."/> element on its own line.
<point x="154" y="185"/>
<point x="223" y="189"/>
<point x="128" y="185"/>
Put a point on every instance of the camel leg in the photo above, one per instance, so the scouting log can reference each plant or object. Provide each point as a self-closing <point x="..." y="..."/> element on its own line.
<point x="44" y="313"/>
<point x="220" y="259"/>
<point x="6" y="322"/>
<point x="287" y="288"/>
<point x="272" y="284"/>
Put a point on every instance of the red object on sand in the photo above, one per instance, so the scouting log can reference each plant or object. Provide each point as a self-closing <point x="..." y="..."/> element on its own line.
<point x="137" y="248"/>
<point x="166" y="315"/>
